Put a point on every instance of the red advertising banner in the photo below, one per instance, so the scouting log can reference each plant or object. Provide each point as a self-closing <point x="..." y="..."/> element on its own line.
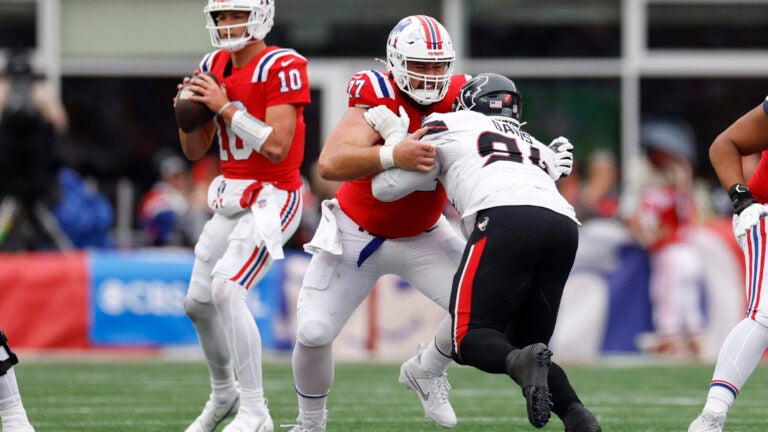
<point x="43" y="300"/>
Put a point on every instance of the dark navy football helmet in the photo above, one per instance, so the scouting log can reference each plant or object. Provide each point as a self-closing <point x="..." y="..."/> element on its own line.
<point x="491" y="94"/>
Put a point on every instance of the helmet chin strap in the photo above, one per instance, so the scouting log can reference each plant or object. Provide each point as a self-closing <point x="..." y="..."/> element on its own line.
<point x="238" y="47"/>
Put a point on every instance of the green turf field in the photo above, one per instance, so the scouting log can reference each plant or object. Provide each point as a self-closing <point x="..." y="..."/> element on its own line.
<point x="163" y="396"/>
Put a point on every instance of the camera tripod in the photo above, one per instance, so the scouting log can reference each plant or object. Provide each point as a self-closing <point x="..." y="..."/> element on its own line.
<point x="30" y="227"/>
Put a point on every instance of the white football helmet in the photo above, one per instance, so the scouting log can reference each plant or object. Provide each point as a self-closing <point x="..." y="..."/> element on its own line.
<point x="420" y="38"/>
<point x="262" y="14"/>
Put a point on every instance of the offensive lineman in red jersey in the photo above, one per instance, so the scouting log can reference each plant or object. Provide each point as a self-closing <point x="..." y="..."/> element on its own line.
<point x="257" y="203"/>
<point x="745" y="344"/>
<point x="360" y="238"/>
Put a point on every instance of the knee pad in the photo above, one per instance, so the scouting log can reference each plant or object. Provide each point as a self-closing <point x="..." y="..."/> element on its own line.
<point x="6" y="364"/>
<point x="198" y="301"/>
<point x="315" y="333"/>
<point x="195" y="308"/>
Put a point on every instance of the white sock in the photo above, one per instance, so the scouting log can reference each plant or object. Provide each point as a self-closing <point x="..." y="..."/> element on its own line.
<point x="244" y="341"/>
<point x="437" y="355"/>
<point x="313" y="372"/>
<point x="213" y="341"/>
<point x="739" y="356"/>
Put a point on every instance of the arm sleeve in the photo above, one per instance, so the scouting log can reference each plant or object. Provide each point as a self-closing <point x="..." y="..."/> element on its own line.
<point x="395" y="183"/>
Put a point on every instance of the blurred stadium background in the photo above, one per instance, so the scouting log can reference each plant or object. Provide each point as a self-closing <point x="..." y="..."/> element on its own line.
<point x="590" y="70"/>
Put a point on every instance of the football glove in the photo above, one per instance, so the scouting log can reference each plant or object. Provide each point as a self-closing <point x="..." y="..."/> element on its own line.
<point x="391" y="127"/>
<point x="748" y="218"/>
<point x="563" y="155"/>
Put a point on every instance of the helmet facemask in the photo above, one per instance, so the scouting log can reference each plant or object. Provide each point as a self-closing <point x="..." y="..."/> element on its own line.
<point x="259" y="22"/>
<point x="420" y="39"/>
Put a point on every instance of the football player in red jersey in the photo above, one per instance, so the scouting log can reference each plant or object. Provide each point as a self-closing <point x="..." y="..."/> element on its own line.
<point x="360" y="238"/>
<point x="660" y="215"/>
<point x="259" y="101"/>
<point x="744" y="346"/>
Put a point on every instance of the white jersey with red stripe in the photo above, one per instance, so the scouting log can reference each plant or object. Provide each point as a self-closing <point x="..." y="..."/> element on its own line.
<point x="372" y="88"/>
<point x="277" y="76"/>
<point x="482" y="163"/>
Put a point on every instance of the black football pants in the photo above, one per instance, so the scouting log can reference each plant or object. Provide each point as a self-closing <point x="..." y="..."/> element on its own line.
<point x="507" y="290"/>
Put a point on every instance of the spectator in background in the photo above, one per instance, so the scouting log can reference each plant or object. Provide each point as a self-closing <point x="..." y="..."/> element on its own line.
<point x="593" y="189"/>
<point x="83" y="213"/>
<point x="164" y="209"/>
<point x="658" y="209"/>
<point x="32" y="124"/>
<point x="599" y="197"/>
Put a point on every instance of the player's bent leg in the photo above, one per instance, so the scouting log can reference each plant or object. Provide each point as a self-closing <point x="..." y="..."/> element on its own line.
<point x="529" y="368"/>
<point x="431" y="386"/>
<point x="313" y="372"/>
<point x="566" y="404"/>
<point x="244" y="342"/>
<point x="12" y="412"/>
<point x="224" y="399"/>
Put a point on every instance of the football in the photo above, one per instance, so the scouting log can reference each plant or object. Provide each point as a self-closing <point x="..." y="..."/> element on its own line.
<point x="191" y="115"/>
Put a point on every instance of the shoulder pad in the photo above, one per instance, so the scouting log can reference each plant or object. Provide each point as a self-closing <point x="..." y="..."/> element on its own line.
<point x="368" y="87"/>
<point x="278" y="59"/>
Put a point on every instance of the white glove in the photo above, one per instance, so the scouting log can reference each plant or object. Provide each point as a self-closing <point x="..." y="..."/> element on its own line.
<point x="391" y="127"/>
<point x="748" y="218"/>
<point x="563" y="155"/>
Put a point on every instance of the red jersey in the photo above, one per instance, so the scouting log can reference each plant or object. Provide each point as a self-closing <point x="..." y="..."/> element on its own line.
<point x="418" y="211"/>
<point x="666" y="214"/>
<point x="277" y="76"/>
<point x="758" y="183"/>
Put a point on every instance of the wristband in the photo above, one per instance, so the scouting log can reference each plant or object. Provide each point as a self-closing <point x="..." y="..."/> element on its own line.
<point x="741" y="197"/>
<point x="251" y="130"/>
<point x="223" y="107"/>
<point x="387" y="157"/>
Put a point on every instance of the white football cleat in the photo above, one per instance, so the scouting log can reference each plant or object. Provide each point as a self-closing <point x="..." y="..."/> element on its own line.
<point x="212" y="414"/>
<point x="708" y="421"/>
<point x="246" y="423"/>
<point x="432" y="387"/>
<point x="309" y="425"/>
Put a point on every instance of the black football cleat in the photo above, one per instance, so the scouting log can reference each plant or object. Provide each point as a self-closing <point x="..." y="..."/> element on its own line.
<point x="579" y="419"/>
<point x="529" y="368"/>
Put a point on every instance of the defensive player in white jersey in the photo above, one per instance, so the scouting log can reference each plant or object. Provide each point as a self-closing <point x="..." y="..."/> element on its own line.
<point x="747" y="341"/>
<point x="12" y="412"/>
<point x="522" y="239"/>
<point x="259" y="101"/>
<point x="360" y="239"/>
